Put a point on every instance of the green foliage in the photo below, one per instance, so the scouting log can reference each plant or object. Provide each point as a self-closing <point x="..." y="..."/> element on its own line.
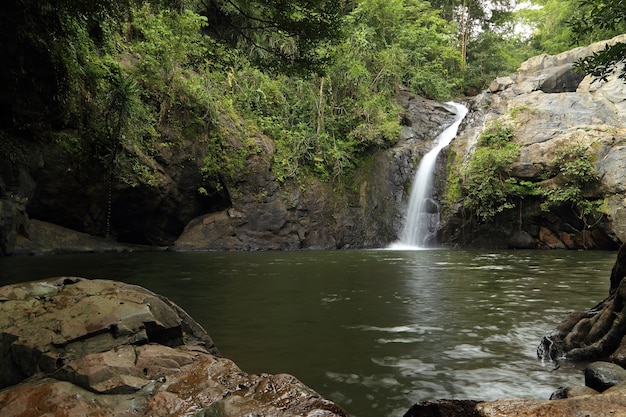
<point x="453" y="182"/>
<point x="575" y="163"/>
<point x="575" y="176"/>
<point x="165" y="42"/>
<point x="283" y="35"/>
<point x="401" y="42"/>
<point x="604" y="19"/>
<point x="118" y="75"/>
<point x="491" y="55"/>
<point x="552" y="34"/>
<point x="600" y="17"/>
<point x="497" y="135"/>
<point x="222" y="161"/>
<point x="12" y="150"/>
<point x="487" y="188"/>
<point x="518" y="111"/>
<point x="601" y="64"/>
<point x="562" y="24"/>
<point x="325" y="124"/>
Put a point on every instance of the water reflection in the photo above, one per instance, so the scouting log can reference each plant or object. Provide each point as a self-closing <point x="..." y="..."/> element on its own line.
<point x="373" y="330"/>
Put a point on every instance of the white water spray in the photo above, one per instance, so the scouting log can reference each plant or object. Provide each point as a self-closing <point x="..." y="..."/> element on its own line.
<point x="422" y="218"/>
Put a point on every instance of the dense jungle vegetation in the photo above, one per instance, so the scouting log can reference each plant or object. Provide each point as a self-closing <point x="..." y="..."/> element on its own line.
<point x="108" y="82"/>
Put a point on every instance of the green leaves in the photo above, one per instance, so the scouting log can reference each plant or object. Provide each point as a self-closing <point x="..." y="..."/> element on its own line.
<point x="562" y="24"/>
<point x="166" y="41"/>
<point x="497" y="135"/>
<point x="574" y="162"/>
<point x="607" y="15"/>
<point x="404" y="42"/>
<point x="281" y="35"/>
<point x="602" y="64"/>
<point x="602" y="19"/>
<point x="575" y="177"/>
<point x="487" y="188"/>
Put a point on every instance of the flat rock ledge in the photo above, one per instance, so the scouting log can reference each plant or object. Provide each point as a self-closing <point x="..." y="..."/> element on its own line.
<point x="603" y="395"/>
<point x="77" y="347"/>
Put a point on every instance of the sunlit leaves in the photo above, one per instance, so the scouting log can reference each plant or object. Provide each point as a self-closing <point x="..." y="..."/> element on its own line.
<point x="562" y="24"/>
<point x="602" y="64"/>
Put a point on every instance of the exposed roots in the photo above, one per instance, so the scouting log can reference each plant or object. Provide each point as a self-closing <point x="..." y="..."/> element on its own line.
<point x="597" y="333"/>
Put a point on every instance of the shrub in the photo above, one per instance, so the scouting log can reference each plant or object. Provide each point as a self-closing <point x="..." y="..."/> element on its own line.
<point x="487" y="187"/>
<point x="575" y="177"/>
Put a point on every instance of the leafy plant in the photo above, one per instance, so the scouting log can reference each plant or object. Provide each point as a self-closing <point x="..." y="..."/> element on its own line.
<point x="575" y="177"/>
<point x="487" y="187"/>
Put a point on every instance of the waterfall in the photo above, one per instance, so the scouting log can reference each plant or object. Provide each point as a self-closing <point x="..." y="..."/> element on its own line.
<point x="422" y="217"/>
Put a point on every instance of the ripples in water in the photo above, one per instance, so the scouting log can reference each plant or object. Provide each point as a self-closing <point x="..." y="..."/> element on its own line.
<point x="375" y="331"/>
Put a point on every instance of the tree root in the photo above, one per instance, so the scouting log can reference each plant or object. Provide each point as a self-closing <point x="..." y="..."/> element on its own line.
<point x="597" y="333"/>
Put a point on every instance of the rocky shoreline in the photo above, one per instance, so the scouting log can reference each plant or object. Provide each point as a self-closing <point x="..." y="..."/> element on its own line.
<point x="72" y="346"/>
<point x="603" y="395"/>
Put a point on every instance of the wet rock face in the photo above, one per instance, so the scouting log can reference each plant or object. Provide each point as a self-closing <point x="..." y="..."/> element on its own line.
<point x="72" y="346"/>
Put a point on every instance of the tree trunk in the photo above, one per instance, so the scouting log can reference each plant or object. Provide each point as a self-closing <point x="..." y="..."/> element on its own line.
<point x="463" y="35"/>
<point x="597" y="333"/>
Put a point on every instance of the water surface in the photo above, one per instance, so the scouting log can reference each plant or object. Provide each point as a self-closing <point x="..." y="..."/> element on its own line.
<point x="372" y="330"/>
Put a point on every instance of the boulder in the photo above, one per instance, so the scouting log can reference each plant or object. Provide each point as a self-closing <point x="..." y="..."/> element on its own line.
<point x="601" y="376"/>
<point x="571" y="392"/>
<point x="447" y="408"/>
<point x="72" y="346"/>
<point x="43" y="238"/>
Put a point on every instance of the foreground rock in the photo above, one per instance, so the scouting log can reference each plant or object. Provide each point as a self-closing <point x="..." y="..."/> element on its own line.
<point x="608" y="399"/>
<point x="72" y="346"/>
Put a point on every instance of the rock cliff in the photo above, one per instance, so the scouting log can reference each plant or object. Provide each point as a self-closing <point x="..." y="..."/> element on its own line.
<point x="367" y="212"/>
<point x="72" y="346"/>
<point x="48" y="208"/>
<point x="550" y="106"/>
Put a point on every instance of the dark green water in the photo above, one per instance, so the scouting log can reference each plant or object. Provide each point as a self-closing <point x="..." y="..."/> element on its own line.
<point x="373" y="330"/>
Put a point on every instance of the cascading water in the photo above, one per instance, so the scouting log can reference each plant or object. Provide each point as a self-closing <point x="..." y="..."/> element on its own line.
<point x="422" y="218"/>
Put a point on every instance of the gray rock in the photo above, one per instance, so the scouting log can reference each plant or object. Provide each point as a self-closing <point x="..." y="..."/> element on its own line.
<point x="72" y="346"/>
<point x="550" y="107"/>
<point x="601" y="376"/>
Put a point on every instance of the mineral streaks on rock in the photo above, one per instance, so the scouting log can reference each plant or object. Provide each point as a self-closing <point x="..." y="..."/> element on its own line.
<point x="72" y="346"/>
